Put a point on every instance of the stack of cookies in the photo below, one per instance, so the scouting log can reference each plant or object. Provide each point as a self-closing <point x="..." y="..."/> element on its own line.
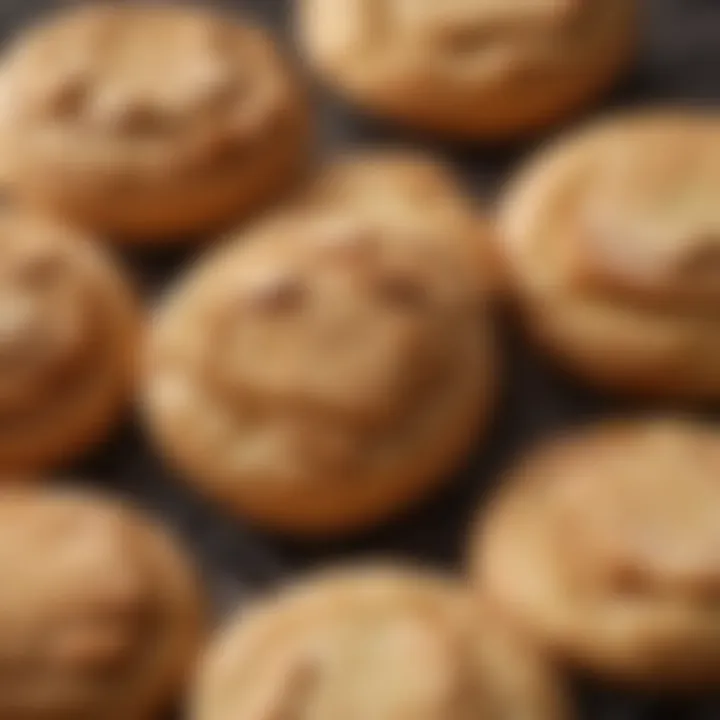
<point x="334" y="357"/>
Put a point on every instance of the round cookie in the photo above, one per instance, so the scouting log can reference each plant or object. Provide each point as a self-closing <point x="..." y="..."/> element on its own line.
<point x="100" y="615"/>
<point x="472" y="69"/>
<point x="323" y="370"/>
<point x="612" y="241"/>
<point x="69" y="334"/>
<point x="411" y="188"/>
<point x="150" y="121"/>
<point x="603" y="547"/>
<point x="373" y="643"/>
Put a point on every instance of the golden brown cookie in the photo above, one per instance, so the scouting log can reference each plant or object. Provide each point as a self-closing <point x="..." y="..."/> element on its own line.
<point x="150" y="121"/>
<point x="100" y="615"/>
<point x="605" y="547"/>
<point x="406" y="187"/>
<point x="469" y="68"/>
<point x="69" y="335"/>
<point x="373" y="643"/>
<point x="323" y="370"/>
<point x="612" y="241"/>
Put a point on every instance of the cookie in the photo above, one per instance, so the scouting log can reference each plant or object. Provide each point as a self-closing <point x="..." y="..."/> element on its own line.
<point x="69" y="335"/>
<point x="100" y="615"/>
<point x="150" y="121"/>
<point x="373" y="643"/>
<point x="322" y="370"/>
<point x="409" y="187"/>
<point x="611" y="239"/>
<point x="475" y="70"/>
<point x="603" y="547"/>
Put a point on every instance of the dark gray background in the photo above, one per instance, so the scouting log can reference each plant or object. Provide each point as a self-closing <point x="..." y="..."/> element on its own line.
<point x="679" y="61"/>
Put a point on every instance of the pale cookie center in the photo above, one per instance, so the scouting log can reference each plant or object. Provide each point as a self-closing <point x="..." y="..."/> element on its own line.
<point x="322" y="354"/>
<point x="334" y="344"/>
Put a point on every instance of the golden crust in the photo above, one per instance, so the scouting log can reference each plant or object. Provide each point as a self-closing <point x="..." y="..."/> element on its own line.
<point x="405" y="187"/>
<point x="381" y="643"/>
<point x="324" y="369"/>
<point x="610" y="239"/>
<point x="603" y="546"/>
<point x="69" y="335"/>
<point x="149" y="121"/>
<point x="494" y="68"/>
<point x="100" y="615"/>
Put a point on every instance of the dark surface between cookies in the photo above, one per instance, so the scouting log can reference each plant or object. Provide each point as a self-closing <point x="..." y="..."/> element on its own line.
<point x="679" y="61"/>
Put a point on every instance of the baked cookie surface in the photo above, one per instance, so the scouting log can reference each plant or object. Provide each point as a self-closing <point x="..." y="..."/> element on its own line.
<point x="322" y="370"/>
<point x="69" y="335"/>
<point x="603" y="546"/>
<point x="406" y="187"/>
<point x="100" y="617"/>
<point x="612" y="241"/>
<point x="149" y="121"/>
<point x="469" y="68"/>
<point x="382" y="644"/>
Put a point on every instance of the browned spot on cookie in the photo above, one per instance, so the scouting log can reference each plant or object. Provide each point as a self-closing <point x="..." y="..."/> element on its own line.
<point x="84" y="647"/>
<point x="218" y="91"/>
<point x="703" y="261"/>
<point x="40" y="270"/>
<point x="466" y="39"/>
<point x="140" y="117"/>
<point x="402" y="291"/>
<point x="280" y="294"/>
<point x="67" y="98"/>
<point x="629" y="581"/>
